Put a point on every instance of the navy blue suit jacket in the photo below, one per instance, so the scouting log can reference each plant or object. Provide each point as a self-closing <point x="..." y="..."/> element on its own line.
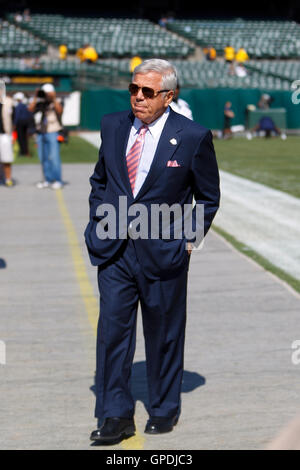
<point x="197" y="176"/>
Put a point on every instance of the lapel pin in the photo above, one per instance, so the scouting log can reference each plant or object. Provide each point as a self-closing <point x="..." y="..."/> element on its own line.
<point x="173" y="141"/>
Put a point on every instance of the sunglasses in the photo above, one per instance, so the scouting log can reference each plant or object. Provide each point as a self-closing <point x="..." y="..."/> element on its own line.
<point x="147" y="92"/>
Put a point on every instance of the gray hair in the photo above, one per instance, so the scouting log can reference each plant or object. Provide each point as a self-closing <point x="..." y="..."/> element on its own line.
<point x="165" y="68"/>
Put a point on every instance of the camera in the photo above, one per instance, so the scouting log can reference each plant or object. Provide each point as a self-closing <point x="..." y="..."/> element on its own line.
<point x="41" y="94"/>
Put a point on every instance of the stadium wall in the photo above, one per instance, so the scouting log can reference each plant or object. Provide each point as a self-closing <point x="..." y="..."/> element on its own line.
<point x="207" y="105"/>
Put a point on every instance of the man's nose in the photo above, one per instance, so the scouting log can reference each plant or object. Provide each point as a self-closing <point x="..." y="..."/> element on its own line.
<point x="140" y="95"/>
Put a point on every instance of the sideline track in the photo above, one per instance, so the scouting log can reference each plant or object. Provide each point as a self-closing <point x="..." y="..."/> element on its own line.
<point x="240" y="386"/>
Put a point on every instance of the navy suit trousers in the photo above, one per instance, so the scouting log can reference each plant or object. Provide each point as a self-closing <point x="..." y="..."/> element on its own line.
<point x="122" y="285"/>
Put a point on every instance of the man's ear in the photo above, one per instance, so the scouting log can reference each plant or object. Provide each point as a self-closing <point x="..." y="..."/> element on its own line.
<point x="169" y="96"/>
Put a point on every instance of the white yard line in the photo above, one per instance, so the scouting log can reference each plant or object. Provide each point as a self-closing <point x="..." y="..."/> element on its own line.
<point x="265" y="219"/>
<point x="92" y="137"/>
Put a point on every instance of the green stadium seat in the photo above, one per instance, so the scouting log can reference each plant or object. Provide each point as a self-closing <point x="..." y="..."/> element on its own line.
<point x="270" y="39"/>
<point x="110" y="37"/>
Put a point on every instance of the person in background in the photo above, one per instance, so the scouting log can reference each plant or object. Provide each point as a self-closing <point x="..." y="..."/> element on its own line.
<point x="229" y="54"/>
<point x="6" y="128"/>
<point x="48" y="110"/>
<point x="63" y="51"/>
<point x="240" y="70"/>
<point x="228" y="116"/>
<point x="264" y="101"/>
<point x="163" y="21"/>
<point x="18" y="17"/>
<point x="23" y="121"/>
<point x="79" y="54"/>
<point x="241" y="56"/>
<point x="26" y="15"/>
<point x="211" y="53"/>
<point x="89" y="54"/>
<point x="267" y="126"/>
<point x="134" y="62"/>
<point x="181" y="106"/>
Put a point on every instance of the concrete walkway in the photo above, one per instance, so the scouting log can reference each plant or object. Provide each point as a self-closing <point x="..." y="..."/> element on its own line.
<point x="240" y="386"/>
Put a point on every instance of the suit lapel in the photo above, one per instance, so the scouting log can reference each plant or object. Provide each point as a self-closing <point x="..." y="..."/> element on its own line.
<point x="122" y="135"/>
<point x="164" y="152"/>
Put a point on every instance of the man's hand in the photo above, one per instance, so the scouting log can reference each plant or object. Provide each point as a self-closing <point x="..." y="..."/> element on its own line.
<point x="190" y="248"/>
<point x="51" y="95"/>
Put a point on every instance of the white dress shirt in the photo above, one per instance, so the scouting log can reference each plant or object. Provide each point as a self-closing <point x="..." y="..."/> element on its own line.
<point x="152" y="137"/>
<point x="182" y="107"/>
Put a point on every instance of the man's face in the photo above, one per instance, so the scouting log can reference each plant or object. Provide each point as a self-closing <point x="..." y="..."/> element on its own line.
<point x="149" y="109"/>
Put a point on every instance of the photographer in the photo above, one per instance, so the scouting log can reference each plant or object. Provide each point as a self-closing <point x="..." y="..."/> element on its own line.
<point x="6" y="150"/>
<point x="48" y="110"/>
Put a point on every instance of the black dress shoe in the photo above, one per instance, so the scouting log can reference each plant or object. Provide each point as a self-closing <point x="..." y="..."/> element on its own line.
<point x="159" y="425"/>
<point x="114" y="429"/>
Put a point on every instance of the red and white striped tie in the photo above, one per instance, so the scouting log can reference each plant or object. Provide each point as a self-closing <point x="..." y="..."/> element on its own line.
<point x="134" y="155"/>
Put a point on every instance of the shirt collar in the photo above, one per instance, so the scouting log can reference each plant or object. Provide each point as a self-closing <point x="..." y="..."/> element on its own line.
<point x="156" y="127"/>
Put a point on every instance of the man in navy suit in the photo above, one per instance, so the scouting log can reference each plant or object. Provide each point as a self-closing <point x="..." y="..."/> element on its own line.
<point x="149" y="156"/>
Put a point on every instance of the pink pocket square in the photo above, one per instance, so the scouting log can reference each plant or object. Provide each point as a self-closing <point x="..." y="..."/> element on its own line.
<point x="173" y="163"/>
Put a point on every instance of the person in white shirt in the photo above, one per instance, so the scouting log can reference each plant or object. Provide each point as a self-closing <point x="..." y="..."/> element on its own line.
<point x="181" y="106"/>
<point x="6" y="127"/>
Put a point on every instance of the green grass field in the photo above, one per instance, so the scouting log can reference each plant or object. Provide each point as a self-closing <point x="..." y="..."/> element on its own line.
<point x="265" y="263"/>
<point x="77" y="150"/>
<point x="273" y="162"/>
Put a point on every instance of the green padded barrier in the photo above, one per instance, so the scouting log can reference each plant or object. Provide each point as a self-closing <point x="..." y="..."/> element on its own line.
<point x="278" y="115"/>
<point x="207" y="105"/>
